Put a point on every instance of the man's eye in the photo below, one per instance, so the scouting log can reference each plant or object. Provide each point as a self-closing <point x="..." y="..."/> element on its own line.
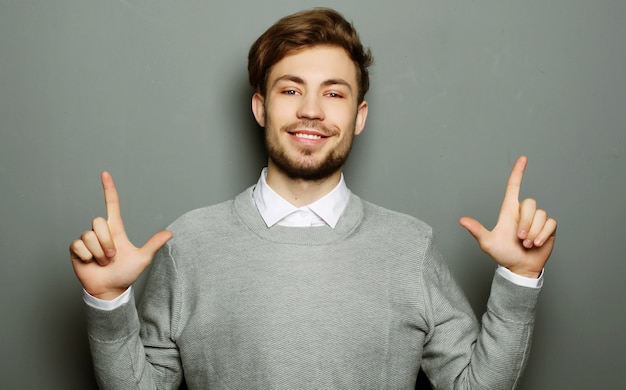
<point x="289" y="92"/>
<point x="333" y="95"/>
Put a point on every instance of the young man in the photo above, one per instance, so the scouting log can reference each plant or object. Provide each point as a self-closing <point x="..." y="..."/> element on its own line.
<point x="298" y="283"/>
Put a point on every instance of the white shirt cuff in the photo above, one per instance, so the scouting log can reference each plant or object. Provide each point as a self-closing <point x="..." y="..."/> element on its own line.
<point x="107" y="305"/>
<point x="519" y="279"/>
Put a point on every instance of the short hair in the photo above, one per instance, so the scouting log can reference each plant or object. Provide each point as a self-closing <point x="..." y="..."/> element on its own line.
<point x="303" y="30"/>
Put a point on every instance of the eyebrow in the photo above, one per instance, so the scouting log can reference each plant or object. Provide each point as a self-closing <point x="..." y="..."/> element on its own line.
<point x="299" y="80"/>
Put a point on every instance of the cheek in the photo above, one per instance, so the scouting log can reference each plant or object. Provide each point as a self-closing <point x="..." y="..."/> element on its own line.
<point x="342" y="111"/>
<point x="344" y="118"/>
<point x="278" y="115"/>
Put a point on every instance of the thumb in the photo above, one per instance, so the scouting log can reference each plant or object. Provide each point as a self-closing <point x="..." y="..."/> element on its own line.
<point x="152" y="246"/>
<point x="475" y="228"/>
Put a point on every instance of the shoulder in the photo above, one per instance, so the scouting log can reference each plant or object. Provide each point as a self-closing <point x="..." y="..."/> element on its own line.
<point x="394" y="221"/>
<point x="221" y="219"/>
<point x="203" y="219"/>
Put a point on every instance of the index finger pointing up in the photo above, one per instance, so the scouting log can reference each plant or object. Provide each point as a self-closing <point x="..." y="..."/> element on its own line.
<point x="111" y="199"/>
<point x="511" y="194"/>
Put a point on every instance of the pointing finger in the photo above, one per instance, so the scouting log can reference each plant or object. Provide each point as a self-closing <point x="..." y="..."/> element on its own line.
<point x="515" y="179"/>
<point x="511" y="194"/>
<point x="111" y="199"/>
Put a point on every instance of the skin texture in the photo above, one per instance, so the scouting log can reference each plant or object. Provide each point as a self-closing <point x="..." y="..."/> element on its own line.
<point x="311" y="115"/>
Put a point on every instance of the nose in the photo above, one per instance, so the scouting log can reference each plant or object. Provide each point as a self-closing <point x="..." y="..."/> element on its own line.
<point x="310" y="108"/>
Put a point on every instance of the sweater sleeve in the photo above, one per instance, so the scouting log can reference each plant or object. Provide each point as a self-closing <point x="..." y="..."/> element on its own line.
<point x="136" y="349"/>
<point x="459" y="353"/>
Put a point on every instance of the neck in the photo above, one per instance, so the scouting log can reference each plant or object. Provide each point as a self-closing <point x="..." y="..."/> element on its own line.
<point x="300" y="192"/>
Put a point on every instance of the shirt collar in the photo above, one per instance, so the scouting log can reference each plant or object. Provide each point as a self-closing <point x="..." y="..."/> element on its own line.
<point x="274" y="209"/>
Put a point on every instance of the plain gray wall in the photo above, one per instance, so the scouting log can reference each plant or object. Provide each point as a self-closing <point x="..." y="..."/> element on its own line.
<point x="156" y="92"/>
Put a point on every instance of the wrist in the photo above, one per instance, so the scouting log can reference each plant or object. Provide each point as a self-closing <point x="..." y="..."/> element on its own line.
<point x="519" y="279"/>
<point x="107" y="304"/>
<point x="531" y="274"/>
<point x="107" y="295"/>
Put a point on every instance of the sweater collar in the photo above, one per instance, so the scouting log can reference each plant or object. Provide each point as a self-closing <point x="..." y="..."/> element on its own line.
<point x="250" y="216"/>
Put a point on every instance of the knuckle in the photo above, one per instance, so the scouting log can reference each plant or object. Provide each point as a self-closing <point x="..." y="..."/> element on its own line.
<point x="78" y="251"/>
<point x="485" y="245"/>
<point x="97" y="221"/>
<point x="529" y="202"/>
<point x="88" y="235"/>
<point x="75" y="246"/>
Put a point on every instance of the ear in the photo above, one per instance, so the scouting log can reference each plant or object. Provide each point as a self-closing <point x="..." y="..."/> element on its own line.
<point x="258" y="108"/>
<point x="361" y="117"/>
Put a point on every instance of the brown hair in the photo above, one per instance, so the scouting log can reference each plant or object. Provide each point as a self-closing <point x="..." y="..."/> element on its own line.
<point x="319" y="26"/>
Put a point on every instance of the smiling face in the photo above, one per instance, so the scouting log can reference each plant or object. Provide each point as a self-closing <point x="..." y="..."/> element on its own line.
<point x="310" y="113"/>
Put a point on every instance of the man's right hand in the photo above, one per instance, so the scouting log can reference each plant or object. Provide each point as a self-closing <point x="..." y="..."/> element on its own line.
<point x="104" y="260"/>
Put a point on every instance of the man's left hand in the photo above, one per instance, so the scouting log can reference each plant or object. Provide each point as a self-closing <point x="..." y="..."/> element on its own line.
<point x="523" y="237"/>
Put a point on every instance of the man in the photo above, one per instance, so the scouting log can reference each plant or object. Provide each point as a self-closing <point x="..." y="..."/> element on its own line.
<point x="298" y="283"/>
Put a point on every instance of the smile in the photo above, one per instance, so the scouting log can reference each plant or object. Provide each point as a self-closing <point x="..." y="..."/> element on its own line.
<point x="308" y="136"/>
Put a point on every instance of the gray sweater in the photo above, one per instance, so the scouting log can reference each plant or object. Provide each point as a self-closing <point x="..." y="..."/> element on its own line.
<point x="232" y="304"/>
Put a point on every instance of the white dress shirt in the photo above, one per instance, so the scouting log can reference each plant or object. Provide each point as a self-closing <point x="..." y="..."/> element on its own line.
<point x="275" y="210"/>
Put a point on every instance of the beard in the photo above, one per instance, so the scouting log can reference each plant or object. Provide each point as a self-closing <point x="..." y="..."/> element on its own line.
<point x="305" y="166"/>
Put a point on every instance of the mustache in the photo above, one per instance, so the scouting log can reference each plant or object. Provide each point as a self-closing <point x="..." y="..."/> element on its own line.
<point x="311" y="125"/>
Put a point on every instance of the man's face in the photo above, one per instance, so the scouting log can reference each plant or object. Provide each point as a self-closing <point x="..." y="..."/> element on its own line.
<point x="310" y="112"/>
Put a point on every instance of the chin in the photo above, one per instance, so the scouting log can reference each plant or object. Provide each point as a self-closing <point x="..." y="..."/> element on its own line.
<point x="309" y="171"/>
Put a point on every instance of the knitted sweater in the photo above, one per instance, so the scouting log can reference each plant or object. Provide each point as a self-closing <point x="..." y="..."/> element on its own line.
<point x="232" y="304"/>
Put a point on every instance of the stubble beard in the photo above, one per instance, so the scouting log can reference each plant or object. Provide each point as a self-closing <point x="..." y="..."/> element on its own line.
<point x="304" y="166"/>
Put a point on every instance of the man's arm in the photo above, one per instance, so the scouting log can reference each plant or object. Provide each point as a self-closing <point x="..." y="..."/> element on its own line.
<point x="107" y="264"/>
<point x="135" y="347"/>
<point x="458" y="354"/>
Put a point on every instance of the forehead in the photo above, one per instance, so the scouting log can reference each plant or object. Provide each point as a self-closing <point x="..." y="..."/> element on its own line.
<point x="316" y="65"/>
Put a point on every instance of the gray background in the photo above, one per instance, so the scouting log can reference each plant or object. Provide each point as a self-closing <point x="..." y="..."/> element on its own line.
<point x="156" y="92"/>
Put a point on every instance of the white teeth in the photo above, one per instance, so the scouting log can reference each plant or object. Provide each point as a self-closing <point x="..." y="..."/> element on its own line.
<point x="308" y="136"/>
